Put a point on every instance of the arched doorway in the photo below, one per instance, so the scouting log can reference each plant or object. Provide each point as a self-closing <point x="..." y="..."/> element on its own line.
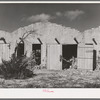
<point x="20" y="49"/>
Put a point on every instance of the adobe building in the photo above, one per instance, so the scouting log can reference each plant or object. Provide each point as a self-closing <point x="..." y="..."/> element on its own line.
<point x="54" y="42"/>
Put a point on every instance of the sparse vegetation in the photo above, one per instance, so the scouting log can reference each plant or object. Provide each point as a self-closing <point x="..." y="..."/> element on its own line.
<point x="71" y="78"/>
<point x="17" y="68"/>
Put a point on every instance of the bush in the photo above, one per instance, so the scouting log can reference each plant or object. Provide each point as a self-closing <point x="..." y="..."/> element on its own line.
<point x="17" y="68"/>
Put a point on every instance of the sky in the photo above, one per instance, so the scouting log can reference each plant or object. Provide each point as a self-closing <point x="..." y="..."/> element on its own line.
<point x="77" y="16"/>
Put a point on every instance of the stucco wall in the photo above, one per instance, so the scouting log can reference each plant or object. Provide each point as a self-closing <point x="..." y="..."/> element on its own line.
<point x="47" y="32"/>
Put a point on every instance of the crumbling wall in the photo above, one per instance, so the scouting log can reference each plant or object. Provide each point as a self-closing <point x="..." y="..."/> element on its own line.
<point x="91" y="34"/>
<point x="5" y="45"/>
<point x="46" y="32"/>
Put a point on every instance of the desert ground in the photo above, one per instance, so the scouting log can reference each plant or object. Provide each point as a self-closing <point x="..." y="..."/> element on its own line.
<point x="70" y="78"/>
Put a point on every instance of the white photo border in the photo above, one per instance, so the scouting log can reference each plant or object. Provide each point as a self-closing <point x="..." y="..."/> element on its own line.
<point x="72" y="93"/>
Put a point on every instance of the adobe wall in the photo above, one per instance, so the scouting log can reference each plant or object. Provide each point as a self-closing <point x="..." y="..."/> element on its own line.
<point x="46" y="32"/>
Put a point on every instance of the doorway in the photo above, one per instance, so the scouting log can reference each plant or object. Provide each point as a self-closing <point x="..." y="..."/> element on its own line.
<point x="94" y="59"/>
<point x="36" y="48"/>
<point x="20" y="50"/>
<point x="68" y="51"/>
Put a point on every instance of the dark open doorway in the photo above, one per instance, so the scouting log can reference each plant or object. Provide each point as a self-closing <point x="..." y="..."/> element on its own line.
<point x="94" y="59"/>
<point x="20" y="49"/>
<point x="36" y="48"/>
<point x="68" y="51"/>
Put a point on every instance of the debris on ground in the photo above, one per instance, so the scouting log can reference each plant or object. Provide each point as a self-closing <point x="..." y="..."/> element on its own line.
<point x="70" y="78"/>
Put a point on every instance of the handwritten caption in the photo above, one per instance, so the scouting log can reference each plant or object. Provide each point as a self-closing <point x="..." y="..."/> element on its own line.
<point x="48" y="91"/>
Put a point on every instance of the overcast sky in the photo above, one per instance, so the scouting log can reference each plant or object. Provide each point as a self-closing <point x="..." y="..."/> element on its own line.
<point x="78" y="16"/>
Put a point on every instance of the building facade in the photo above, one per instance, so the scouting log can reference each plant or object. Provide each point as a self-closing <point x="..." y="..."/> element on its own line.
<point x="55" y="45"/>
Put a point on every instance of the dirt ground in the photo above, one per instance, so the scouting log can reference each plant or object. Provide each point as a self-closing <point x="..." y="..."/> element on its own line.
<point x="70" y="78"/>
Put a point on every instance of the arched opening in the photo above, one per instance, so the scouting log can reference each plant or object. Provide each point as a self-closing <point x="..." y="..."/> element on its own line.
<point x="20" y="49"/>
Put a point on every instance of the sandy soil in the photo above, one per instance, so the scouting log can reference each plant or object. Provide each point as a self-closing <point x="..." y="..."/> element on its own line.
<point x="70" y="78"/>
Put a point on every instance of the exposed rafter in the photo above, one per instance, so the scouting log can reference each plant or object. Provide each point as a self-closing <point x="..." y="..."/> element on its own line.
<point x="57" y="40"/>
<point x="76" y="40"/>
<point x="39" y="40"/>
<point x="94" y="41"/>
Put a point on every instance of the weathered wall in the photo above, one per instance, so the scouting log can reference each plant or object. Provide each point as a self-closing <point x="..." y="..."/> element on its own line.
<point x="5" y="50"/>
<point x="93" y="33"/>
<point x="47" y="32"/>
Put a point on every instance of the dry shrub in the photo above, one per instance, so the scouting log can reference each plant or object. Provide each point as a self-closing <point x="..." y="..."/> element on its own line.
<point x="17" y="68"/>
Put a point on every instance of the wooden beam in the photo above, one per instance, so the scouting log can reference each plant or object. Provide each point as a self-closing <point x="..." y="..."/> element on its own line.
<point x="94" y="41"/>
<point x="39" y="40"/>
<point x="76" y="40"/>
<point x="57" y="41"/>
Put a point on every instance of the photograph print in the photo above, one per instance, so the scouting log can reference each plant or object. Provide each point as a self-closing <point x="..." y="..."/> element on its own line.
<point x="49" y="45"/>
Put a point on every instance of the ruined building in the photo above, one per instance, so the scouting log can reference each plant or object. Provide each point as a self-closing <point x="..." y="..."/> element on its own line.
<point x="54" y="43"/>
